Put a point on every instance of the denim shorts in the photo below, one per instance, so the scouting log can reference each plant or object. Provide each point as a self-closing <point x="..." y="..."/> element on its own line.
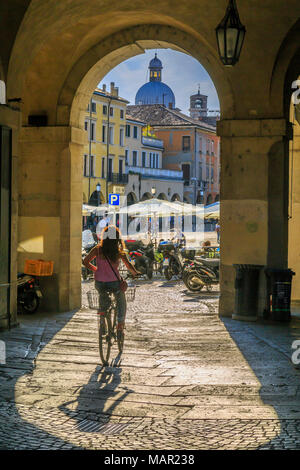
<point x="104" y="289"/>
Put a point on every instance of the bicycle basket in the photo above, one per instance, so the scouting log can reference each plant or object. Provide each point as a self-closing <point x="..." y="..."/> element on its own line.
<point x="93" y="299"/>
<point x="130" y="293"/>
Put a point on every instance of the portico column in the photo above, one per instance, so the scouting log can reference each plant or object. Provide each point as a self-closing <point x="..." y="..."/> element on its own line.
<point x="294" y="210"/>
<point x="10" y="118"/>
<point x="50" y="209"/>
<point x="254" y="200"/>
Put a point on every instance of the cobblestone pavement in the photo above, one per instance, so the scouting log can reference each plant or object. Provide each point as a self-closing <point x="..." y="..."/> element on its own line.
<point x="186" y="380"/>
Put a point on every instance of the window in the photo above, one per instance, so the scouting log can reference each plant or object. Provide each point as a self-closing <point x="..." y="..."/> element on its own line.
<point x="104" y="109"/>
<point x="157" y="160"/>
<point x="111" y="135"/>
<point x="103" y="167"/>
<point x="135" y="132"/>
<point x="200" y="172"/>
<point x="85" y="165"/>
<point x="207" y="172"/>
<point x="186" y="171"/>
<point x="111" y="111"/>
<point x="171" y="138"/>
<point x="126" y="157"/>
<point x="134" y="158"/>
<point x="121" y="137"/>
<point x="92" y="165"/>
<point x="120" y="167"/>
<point x="212" y="175"/>
<point x="143" y="159"/>
<point x="127" y="130"/>
<point x="92" y="131"/>
<point x="2" y="92"/>
<point x="110" y="169"/>
<point x="85" y="125"/>
<point x="208" y="147"/>
<point x="93" y="107"/>
<point x="104" y="134"/>
<point x="150" y="159"/>
<point x="186" y="143"/>
<point x="122" y="113"/>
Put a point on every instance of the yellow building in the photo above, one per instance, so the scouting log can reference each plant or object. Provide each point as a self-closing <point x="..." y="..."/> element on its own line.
<point x="104" y="156"/>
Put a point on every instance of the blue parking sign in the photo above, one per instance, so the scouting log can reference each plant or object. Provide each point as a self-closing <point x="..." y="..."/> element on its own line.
<point x="114" y="199"/>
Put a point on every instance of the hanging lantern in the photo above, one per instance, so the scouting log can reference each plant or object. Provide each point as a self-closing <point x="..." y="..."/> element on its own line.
<point x="230" y="35"/>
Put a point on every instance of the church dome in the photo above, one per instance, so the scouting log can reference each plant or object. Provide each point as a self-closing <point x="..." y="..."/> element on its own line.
<point x="155" y="91"/>
<point x="155" y="63"/>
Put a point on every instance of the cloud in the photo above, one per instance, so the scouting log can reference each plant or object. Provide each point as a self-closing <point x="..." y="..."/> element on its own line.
<point x="181" y="72"/>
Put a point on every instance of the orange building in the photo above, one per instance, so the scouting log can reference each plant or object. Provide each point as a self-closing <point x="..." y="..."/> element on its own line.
<point x="190" y="145"/>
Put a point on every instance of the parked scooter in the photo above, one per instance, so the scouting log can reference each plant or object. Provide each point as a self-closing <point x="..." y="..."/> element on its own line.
<point x="142" y="256"/>
<point x="174" y="262"/>
<point x="202" y="272"/>
<point x="29" y="293"/>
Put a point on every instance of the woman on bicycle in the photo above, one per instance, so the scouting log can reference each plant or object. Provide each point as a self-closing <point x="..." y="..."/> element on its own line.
<point x="108" y="253"/>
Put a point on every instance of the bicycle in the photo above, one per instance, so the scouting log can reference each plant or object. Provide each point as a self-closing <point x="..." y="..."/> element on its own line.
<point x="108" y="334"/>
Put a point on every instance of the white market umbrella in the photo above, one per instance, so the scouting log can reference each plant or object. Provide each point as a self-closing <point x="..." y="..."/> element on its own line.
<point x="87" y="210"/>
<point x="150" y="207"/>
<point x="212" y="211"/>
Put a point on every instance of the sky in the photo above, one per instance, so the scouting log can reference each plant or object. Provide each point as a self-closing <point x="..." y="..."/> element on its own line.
<point x="181" y="72"/>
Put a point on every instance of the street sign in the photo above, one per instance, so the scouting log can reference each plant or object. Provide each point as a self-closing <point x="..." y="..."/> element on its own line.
<point x="114" y="199"/>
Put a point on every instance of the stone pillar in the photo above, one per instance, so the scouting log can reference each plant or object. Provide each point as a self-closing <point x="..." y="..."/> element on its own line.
<point x="254" y="195"/>
<point x="12" y="118"/>
<point x="50" y="209"/>
<point x="294" y="209"/>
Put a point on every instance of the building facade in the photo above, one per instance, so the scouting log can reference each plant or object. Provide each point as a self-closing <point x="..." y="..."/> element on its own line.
<point x="104" y="156"/>
<point x="190" y="146"/>
<point x="144" y="157"/>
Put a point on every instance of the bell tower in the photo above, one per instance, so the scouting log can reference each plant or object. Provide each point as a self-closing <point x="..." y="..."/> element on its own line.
<point x="198" y="105"/>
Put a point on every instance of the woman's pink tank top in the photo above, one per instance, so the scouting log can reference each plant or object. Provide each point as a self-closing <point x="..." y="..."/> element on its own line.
<point x="104" y="272"/>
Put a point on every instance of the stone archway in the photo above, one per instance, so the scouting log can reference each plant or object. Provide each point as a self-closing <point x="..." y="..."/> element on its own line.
<point x="69" y="52"/>
<point x="131" y="199"/>
<point x="95" y="199"/>
<point x="209" y="199"/>
<point x="162" y="196"/>
<point x="146" y="196"/>
<point x="175" y="197"/>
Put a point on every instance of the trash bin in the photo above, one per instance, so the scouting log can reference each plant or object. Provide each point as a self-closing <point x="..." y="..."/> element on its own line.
<point x="279" y="285"/>
<point x="246" y="292"/>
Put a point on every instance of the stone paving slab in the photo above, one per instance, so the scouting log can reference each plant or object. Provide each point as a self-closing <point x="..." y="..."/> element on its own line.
<point x="186" y="380"/>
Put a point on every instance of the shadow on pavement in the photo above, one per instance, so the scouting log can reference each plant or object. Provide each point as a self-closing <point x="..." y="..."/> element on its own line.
<point x="266" y="348"/>
<point x="23" y="344"/>
<point x="92" y="401"/>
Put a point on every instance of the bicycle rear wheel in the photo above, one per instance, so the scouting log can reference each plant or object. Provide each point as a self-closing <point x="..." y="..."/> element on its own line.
<point x="105" y="338"/>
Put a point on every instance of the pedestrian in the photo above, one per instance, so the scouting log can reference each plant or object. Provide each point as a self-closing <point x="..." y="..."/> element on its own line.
<point x="217" y="229"/>
<point x="104" y="222"/>
<point x="95" y="223"/>
<point x="108" y="253"/>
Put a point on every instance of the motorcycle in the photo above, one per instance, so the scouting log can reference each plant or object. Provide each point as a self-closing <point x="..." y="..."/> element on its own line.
<point x="29" y="293"/>
<point x="174" y="259"/>
<point x="202" y="272"/>
<point x="142" y="256"/>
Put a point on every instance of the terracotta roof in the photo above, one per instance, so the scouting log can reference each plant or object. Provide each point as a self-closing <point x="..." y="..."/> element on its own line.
<point x="159" y="115"/>
<point x="133" y="118"/>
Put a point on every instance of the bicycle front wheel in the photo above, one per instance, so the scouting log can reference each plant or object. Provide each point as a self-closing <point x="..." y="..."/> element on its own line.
<point x="120" y="339"/>
<point x="105" y="339"/>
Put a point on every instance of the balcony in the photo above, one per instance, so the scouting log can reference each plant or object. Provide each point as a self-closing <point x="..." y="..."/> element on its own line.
<point x="152" y="142"/>
<point x="156" y="173"/>
<point x="117" y="178"/>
